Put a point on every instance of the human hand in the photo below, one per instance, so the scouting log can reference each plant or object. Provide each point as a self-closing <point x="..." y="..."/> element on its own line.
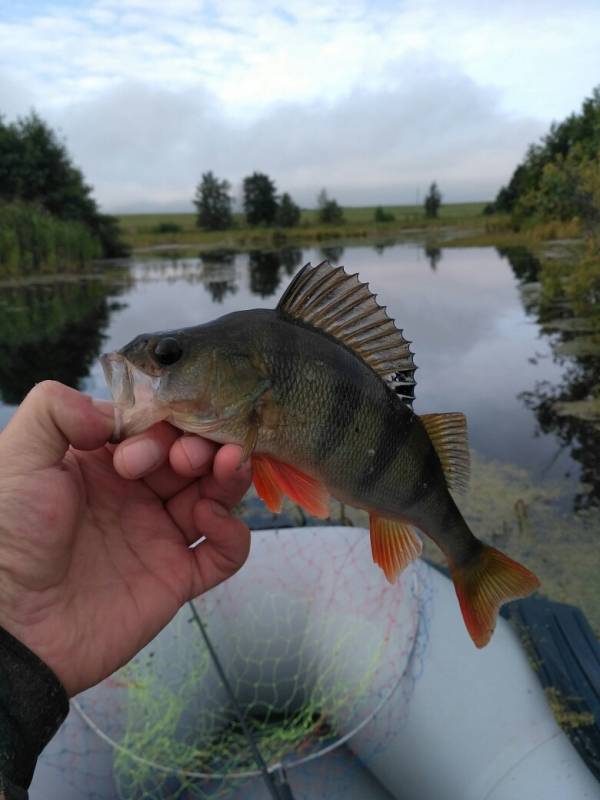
<point x="94" y="539"/>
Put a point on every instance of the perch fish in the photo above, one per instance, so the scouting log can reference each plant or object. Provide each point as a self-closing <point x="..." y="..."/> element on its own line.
<point x="318" y="392"/>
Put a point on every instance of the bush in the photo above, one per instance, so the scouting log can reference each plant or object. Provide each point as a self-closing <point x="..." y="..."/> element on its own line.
<point x="167" y="227"/>
<point x="381" y="215"/>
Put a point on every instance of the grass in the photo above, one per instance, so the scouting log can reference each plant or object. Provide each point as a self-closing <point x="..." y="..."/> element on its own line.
<point x="142" y="231"/>
<point x="33" y="241"/>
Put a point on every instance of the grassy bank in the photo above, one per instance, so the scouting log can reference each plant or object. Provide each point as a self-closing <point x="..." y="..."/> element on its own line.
<point x="161" y="231"/>
<point x="33" y="241"/>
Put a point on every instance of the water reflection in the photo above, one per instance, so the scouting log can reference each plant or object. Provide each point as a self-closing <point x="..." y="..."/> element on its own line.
<point x="265" y="269"/>
<point x="434" y="255"/>
<point x="524" y="264"/>
<point x="565" y="407"/>
<point x="219" y="275"/>
<point x="333" y="253"/>
<point x="487" y="339"/>
<point x="52" y="331"/>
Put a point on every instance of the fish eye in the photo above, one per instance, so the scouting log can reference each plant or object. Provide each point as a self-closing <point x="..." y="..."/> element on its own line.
<point x="167" y="351"/>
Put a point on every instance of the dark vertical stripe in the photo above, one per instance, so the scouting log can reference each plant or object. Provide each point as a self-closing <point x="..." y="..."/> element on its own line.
<point x="429" y="477"/>
<point x="344" y="406"/>
<point x="395" y="430"/>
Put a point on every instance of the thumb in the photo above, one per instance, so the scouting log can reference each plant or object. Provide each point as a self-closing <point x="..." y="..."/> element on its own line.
<point x="50" y="419"/>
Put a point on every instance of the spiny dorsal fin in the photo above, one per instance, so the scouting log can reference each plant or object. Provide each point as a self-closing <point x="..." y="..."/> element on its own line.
<point x="448" y="433"/>
<point x="394" y="545"/>
<point x="339" y="304"/>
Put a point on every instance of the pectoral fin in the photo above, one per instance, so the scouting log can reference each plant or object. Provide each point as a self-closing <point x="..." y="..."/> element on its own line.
<point x="394" y="545"/>
<point x="273" y="479"/>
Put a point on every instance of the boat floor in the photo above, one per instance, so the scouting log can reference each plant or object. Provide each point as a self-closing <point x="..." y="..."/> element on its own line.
<point x="565" y="654"/>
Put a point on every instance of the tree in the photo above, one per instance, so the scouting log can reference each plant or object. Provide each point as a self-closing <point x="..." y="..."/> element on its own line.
<point x="329" y="210"/>
<point x="433" y="201"/>
<point x="260" y="202"/>
<point x="288" y="213"/>
<point x="213" y="203"/>
<point x="576" y="140"/>
<point x="35" y="168"/>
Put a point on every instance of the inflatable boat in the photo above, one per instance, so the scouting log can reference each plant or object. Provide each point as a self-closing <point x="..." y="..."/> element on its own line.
<point x="306" y="675"/>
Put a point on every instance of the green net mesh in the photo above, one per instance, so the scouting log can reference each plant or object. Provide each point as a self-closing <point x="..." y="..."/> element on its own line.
<point x="315" y="645"/>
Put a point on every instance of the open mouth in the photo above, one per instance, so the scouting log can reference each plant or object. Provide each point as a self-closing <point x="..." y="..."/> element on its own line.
<point x="134" y="395"/>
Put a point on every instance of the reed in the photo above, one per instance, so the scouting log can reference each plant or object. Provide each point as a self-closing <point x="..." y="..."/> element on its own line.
<point x="33" y="241"/>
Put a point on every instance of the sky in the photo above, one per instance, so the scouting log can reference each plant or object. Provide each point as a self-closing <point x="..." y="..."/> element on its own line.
<point x="372" y="99"/>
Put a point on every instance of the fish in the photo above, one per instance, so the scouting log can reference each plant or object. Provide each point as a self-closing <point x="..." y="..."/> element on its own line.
<point x="319" y="392"/>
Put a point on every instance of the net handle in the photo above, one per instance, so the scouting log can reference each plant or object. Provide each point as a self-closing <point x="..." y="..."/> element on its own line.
<point x="279" y="788"/>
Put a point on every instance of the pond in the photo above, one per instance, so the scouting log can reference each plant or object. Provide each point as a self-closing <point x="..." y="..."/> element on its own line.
<point x="480" y="348"/>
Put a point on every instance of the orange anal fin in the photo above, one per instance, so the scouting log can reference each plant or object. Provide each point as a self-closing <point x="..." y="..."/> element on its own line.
<point x="483" y="584"/>
<point x="394" y="545"/>
<point x="273" y="479"/>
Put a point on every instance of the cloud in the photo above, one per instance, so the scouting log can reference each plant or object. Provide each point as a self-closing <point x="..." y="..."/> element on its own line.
<point x="145" y="147"/>
<point x="370" y="97"/>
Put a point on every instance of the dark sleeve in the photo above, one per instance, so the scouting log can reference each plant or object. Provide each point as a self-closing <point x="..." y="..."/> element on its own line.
<point x="33" y="704"/>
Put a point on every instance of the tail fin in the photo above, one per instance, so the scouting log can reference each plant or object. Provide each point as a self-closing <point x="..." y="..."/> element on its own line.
<point x="483" y="583"/>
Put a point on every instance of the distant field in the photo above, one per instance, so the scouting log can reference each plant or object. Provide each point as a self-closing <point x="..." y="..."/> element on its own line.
<point x="143" y="230"/>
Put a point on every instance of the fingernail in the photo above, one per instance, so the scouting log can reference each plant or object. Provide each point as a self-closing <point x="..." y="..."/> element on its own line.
<point x="142" y="456"/>
<point x="218" y="510"/>
<point x="195" y="451"/>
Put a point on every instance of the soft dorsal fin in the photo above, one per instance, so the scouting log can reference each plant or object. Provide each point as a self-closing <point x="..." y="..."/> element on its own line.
<point x="339" y="304"/>
<point x="448" y="434"/>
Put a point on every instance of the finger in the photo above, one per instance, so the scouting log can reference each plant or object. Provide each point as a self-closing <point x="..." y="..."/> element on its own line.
<point x="181" y="509"/>
<point x="49" y="419"/>
<point x="192" y="456"/>
<point x="224" y="550"/>
<point x="230" y="478"/>
<point x="147" y="456"/>
<point x="228" y="484"/>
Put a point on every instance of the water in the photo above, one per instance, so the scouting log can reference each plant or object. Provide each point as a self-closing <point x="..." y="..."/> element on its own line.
<point x="476" y="323"/>
<point x="477" y="348"/>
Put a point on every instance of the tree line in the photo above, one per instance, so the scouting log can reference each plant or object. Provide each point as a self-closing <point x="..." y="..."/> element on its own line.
<point x="559" y="178"/>
<point x="261" y="204"/>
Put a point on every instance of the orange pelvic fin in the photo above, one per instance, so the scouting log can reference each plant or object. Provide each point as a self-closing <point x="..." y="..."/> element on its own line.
<point x="394" y="545"/>
<point x="273" y="479"/>
<point x="483" y="584"/>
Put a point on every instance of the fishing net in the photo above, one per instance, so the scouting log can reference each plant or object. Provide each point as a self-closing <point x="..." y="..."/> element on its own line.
<point x="319" y="651"/>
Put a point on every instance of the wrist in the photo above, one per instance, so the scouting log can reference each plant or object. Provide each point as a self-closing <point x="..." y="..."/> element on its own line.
<point x="33" y="704"/>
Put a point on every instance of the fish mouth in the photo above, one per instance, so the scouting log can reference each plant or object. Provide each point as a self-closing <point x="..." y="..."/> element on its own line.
<point x="134" y="395"/>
